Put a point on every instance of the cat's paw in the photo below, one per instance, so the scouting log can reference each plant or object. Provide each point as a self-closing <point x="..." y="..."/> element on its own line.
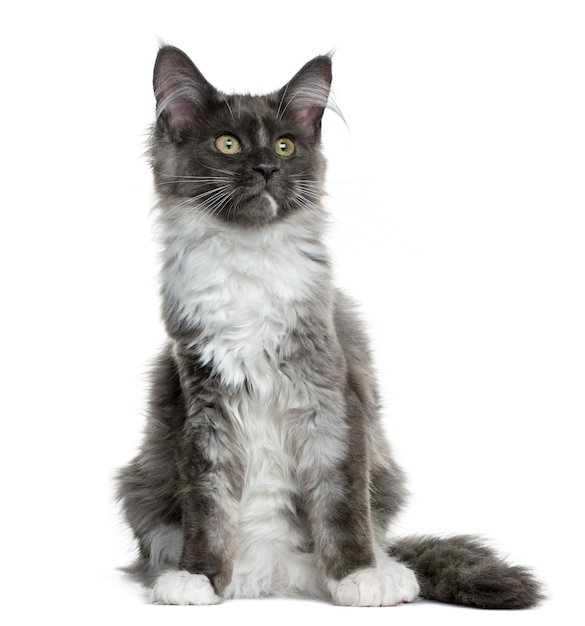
<point x="182" y="587"/>
<point x="375" y="586"/>
<point x="403" y="577"/>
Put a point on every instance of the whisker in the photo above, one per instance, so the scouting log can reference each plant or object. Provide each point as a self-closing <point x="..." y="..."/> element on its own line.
<point x="199" y="181"/>
<point x="228" y="106"/>
<point x="212" y="205"/>
<point x="217" y="169"/>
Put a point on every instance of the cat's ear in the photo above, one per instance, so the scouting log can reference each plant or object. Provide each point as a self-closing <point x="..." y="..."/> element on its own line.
<point x="181" y="92"/>
<point x="307" y="95"/>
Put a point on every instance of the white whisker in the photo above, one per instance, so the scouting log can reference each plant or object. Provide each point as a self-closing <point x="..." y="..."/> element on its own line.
<point x="228" y="106"/>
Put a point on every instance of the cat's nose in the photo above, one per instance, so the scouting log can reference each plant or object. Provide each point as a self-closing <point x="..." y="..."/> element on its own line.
<point x="266" y="170"/>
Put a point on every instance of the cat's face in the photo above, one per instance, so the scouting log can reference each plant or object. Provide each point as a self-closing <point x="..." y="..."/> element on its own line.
<point x="249" y="160"/>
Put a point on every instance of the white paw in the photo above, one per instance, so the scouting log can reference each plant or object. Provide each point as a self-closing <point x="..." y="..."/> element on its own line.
<point x="403" y="577"/>
<point x="182" y="587"/>
<point x="375" y="586"/>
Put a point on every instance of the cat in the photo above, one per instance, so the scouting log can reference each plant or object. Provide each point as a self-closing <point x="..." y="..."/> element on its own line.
<point x="264" y="469"/>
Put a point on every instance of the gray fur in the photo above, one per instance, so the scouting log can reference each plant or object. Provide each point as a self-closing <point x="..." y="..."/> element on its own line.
<point x="464" y="570"/>
<point x="184" y="488"/>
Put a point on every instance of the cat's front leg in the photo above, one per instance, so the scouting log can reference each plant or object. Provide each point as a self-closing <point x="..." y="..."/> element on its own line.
<point x="183" y="587"/>
<point x="210" y="475"/>
<point x="333" y="468"/>
<point x="335" y="471"/>
<point x="387" y="584"/>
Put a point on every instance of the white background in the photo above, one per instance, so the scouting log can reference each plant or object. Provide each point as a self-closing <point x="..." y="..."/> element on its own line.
<point x="457" y="201"/>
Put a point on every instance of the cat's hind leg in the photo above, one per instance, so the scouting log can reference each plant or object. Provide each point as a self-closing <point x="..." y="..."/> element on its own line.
<point x="164" y="547"/>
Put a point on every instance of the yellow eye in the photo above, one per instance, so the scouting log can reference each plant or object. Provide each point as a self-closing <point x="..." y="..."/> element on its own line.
<point x="284" y="146"/>
<point x="227" y="144"/>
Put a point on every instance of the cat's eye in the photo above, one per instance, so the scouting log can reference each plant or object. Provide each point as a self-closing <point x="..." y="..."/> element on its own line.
<point x="227" y="144"/>
<point x="284" y="146"/>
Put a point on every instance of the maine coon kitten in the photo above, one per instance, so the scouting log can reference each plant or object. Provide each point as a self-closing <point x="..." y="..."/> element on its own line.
<point x="264" y="469"/>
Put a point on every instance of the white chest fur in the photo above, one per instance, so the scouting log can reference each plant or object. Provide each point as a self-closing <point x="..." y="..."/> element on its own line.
<point x="241" y="289"/>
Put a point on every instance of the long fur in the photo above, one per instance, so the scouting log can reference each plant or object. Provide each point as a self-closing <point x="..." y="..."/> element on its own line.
<point x="465" y="570"/>
<point x="264" y="469"/>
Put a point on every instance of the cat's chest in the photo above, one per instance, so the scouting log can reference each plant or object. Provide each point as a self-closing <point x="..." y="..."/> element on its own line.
<point x="243" y="295"/>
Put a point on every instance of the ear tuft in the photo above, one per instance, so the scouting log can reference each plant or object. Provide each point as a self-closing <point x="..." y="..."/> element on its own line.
<point x="180" y="90"/>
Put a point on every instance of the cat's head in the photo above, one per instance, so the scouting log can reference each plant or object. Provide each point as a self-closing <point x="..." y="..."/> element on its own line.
<point x="248" y="160"/>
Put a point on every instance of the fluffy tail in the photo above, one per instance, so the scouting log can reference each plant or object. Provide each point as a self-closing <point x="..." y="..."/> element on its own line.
<point x="463" y="570"/>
